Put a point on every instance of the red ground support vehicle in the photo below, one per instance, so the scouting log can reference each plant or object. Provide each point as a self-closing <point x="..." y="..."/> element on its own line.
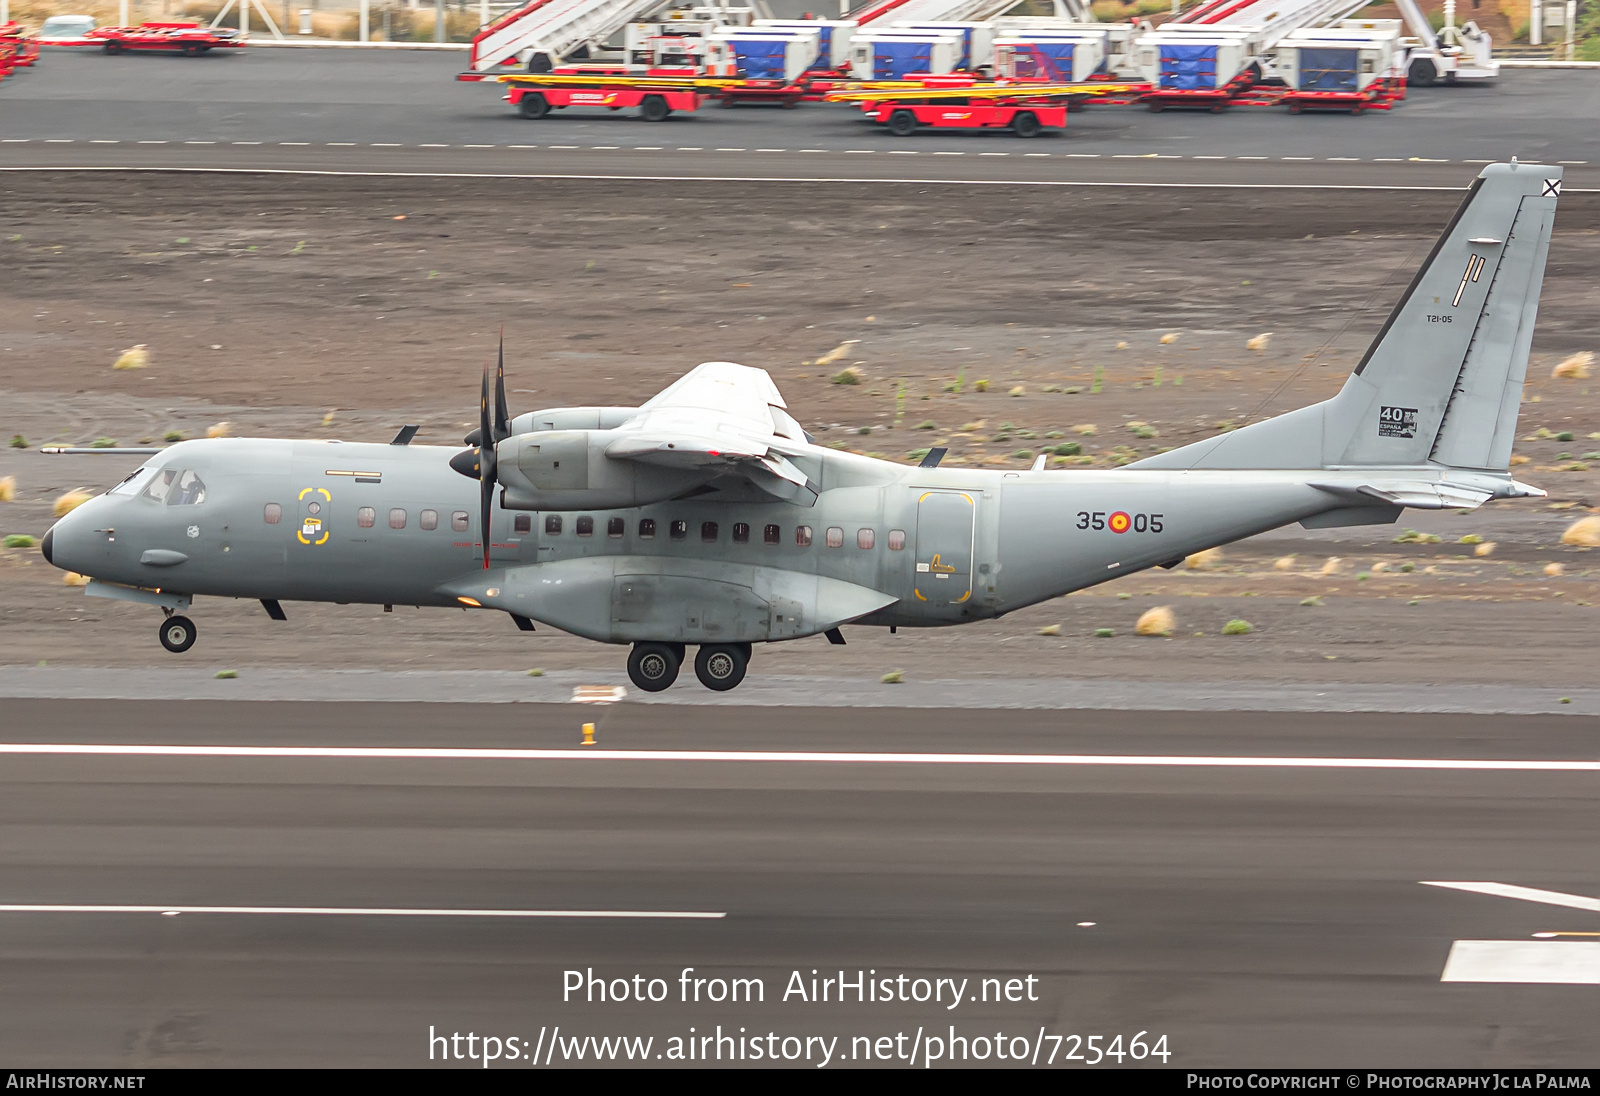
<point x="191" y="39"/>
<point x="1024" y="118"/>
<point x="17" y="49"/>
<point x="657" y="93"/>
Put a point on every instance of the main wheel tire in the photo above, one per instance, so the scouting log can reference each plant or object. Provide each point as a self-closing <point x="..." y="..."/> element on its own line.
<point x="654" y="109"/>
<point x="193" y="51"/>
<point x="721" y="666"/>
<point x="533" y="105"/>
<point x="178" y="634"/>
<point x="1025" y="124"/>
<point x="113" y="48"/>
<point x="902" y="123"/>
<point x="1422" y="73"/>
<point x="653" y="666"/>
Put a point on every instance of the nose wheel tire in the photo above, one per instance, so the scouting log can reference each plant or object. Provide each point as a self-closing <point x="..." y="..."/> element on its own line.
<point x="721" y="666"/>
<point x="653" y="666"/>
<point x="178" y="634"/>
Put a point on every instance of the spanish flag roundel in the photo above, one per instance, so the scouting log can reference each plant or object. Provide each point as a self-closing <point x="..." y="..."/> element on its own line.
<point x="1119" y="522"/>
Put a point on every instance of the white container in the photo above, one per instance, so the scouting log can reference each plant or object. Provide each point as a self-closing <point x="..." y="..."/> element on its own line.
<point x="766" y="53"/>
<point x="1336" y="59"/>
<point x="835" y="35"/>
<point x="977" y="40"/>
<point x="1162" y="59"/>
<point x="1053" y="56"/>
<point x="1116" y="39"/>
<point x="889" y="56"/>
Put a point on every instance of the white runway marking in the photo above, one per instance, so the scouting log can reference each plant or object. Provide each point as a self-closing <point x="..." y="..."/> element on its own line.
<point x="1527" y="894"/>
<point x="363" y="911"/>
<point x="813" y="757"/>
<point x="1528" y="961"/>
<point x="1119" y="184"/>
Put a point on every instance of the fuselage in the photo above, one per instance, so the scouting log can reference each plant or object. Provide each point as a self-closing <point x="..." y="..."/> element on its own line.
<point x="884" y="543"/>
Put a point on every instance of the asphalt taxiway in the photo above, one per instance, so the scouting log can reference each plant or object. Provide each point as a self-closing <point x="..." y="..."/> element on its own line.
<point x="402" y="112"/>
<point x="1267" y="911"/>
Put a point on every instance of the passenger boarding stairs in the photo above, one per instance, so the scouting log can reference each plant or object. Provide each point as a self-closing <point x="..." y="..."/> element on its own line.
<point x="884" y="13"/>
<point x="1275" y="19"/>
<point x="556" y="28"/>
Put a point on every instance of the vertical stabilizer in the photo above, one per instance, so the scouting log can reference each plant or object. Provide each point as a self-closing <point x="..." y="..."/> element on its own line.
<point x="1442" y="382"/>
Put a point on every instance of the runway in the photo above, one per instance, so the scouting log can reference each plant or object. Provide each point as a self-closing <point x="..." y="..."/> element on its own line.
<point x="402" y="112"/>
<point x="1269" y="916"/>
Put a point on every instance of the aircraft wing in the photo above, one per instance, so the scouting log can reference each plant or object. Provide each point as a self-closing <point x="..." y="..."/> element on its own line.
<point x="720" y="414"/>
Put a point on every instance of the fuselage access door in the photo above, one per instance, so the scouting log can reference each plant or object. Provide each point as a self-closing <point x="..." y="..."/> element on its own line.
<point x="945" y="525"/>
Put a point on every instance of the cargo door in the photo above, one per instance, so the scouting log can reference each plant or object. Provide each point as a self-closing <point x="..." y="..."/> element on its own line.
<point x="944" y="547"/>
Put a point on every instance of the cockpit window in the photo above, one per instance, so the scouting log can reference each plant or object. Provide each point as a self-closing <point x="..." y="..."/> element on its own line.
<point x="135" y="480"/>
<point x="189" y="490"/>
<point x="176" y="487"/>
<point x="161" y="485"/>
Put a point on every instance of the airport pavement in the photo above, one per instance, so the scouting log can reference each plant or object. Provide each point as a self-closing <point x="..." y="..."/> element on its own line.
<point x="1252" y="915"/>
<point x="338" y="110"/>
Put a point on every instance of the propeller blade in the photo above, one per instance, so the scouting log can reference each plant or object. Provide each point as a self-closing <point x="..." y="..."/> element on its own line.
<point x="486" y="515"/>
<point x="502" y="411"/>
<point x="486" y="471"/>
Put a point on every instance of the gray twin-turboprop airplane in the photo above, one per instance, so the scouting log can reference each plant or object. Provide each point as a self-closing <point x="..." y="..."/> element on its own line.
<point x="707" y="517"/>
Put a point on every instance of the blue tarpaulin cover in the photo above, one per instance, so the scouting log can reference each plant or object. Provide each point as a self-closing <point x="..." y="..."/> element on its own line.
<point x="892" y="60"/>
<point x="824" y="58"/>
<point x="1051" y="60"/>
<point x="1328" y="70"/>
<point x="1189" y="68"/>
<point x="761" y="58"/>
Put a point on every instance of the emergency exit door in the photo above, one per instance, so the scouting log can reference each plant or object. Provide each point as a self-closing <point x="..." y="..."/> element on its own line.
<point x="944" y="547"/>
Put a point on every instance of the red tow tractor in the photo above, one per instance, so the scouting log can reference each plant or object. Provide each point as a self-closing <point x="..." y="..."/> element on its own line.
<point x="190" y="39"/>
<point x="17" y="49"/>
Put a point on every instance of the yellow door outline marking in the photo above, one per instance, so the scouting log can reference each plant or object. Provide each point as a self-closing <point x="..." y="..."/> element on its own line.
<point x="316" y="523"/>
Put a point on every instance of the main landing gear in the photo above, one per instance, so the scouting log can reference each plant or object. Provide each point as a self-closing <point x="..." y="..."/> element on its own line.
<point x="178" y="634"/>
<point x="719" y="666"/>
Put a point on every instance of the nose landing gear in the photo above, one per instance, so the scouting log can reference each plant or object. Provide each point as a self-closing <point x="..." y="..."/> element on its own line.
<point x="178" y="634"/>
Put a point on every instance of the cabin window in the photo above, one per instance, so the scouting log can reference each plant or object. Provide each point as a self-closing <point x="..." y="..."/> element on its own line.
<point x="585" y="526"/>
<point x="708" y="532"/>
<point x="460" y="521"/>
<point x="366" y="517"/>
<point x="647" y="528"/>
<point x="679" y="530"/>
<point x="770" y="535"/>
<point x="835" y="537"/>
<point x="616" y="527"/>
<point x="397" y="518"/>
<point x="897" y="540"/>
<point x="802" y="535"/>
<point x="552" y="525"/>
<point x="522" y="523"/>
<point x="272" y="513"/>
<point x="428" y="519"/>
<point x="741" y="533"/>
<point x="865" y="538"/>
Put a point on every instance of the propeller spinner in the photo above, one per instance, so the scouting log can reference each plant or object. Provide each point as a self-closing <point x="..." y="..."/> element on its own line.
<point x="479" y="462"/>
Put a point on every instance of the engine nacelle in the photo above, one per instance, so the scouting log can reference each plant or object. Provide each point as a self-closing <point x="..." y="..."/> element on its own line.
<point x="572" y="418"/>
<point x="569" y="470"/>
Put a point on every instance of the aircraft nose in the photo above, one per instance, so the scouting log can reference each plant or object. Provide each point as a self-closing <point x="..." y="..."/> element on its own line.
<point x="47" y="545"/>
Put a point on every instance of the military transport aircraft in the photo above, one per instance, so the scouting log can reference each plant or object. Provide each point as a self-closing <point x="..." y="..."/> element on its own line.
<point x="707" y="517"/>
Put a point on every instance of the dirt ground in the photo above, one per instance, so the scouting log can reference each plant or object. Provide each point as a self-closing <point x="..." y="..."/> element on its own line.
<point x="344" y="307"/>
